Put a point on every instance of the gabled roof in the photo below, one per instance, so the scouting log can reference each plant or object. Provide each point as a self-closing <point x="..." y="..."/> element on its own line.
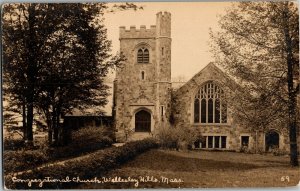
<point x="211" y="68"/>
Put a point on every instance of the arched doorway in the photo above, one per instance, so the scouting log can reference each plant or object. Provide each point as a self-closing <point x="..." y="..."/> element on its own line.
<point x="271" y="140"/>
<point x="143" y="121"/>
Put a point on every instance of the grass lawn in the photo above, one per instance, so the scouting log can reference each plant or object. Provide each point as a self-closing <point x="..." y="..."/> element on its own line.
<point x="204" y="169"/>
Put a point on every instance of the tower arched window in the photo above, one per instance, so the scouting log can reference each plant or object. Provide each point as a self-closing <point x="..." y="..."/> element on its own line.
<point x="143" y="55"/>
<point x="143" y="75"/>
<point x="210" y="105"/>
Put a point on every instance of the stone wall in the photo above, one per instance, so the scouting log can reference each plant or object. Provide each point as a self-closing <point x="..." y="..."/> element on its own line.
<point x="184" y="113"/>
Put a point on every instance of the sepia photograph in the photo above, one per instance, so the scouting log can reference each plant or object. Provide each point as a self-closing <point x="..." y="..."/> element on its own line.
<point x="133" y="95"/>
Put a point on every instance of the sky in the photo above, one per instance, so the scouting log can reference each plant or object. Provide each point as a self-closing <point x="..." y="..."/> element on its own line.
<point x="190" y="24"/>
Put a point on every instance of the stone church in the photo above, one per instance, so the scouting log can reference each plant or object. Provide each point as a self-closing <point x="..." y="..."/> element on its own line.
<point x="142" y="95"/>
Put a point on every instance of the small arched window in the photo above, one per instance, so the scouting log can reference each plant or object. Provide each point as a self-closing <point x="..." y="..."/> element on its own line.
<point x="143" y="75"/>
<point x="210" y="105"/>
<point x="143" y="55"/>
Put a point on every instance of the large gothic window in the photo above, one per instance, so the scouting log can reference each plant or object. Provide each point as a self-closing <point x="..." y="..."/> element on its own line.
<point x="210" y="105"/>
<point x="143" y="55"/>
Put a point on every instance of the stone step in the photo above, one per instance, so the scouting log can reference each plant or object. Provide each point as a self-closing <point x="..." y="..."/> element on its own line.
<point x="139" y="136"/>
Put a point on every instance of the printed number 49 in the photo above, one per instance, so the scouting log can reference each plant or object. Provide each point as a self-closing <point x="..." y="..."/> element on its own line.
<point x="285" y="178"/>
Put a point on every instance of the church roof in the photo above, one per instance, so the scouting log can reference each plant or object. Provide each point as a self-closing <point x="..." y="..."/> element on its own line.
<point x="215" y="73"/>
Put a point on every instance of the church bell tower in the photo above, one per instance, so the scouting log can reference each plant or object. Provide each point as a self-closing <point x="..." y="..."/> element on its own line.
<point x="143" y="84"/>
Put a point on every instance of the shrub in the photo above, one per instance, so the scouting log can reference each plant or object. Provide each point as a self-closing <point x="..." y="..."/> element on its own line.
<point x="22" y="159"/>
<point x="167" y="137"/>
<point x="188" y="136"/>
<point x="90" y="133"/>
<point x="94" y="165"/>
<point x="13" y="144"/>
<point x="84" y="140"/>
<point x="245" y="149"/>
<point x="177" y="137"/>
<point x="278" y="152"/>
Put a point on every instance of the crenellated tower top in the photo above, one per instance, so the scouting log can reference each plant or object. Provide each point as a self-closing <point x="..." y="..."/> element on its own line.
<point x="142" y="32"/>
<point x="163" y="24"/>
<point x="161" y="29"/>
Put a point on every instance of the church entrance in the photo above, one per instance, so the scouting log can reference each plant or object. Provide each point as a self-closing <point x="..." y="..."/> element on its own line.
<point x="271" y="140"/>
<point x="142" y="121"/>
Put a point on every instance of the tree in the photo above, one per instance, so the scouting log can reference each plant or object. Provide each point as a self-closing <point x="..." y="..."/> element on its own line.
<point x="79" y="59"/>
<point x="12" y="112"/>
<point x="55" y="58"/>
<point x="258" y="44"/>
<point x="19" y="25"/>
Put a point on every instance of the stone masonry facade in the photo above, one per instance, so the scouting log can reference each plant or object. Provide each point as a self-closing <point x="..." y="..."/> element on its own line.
<point x="142" y="96"/>
<point x="143" y="86"/>
<point x="184" y="115"/>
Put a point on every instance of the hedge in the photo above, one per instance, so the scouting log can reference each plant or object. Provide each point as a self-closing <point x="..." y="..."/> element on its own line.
<point x="84" y="141"/>
<point x="93" y="166"/>
<point x="14" y="161"/>
<point x="13" y="144"/>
